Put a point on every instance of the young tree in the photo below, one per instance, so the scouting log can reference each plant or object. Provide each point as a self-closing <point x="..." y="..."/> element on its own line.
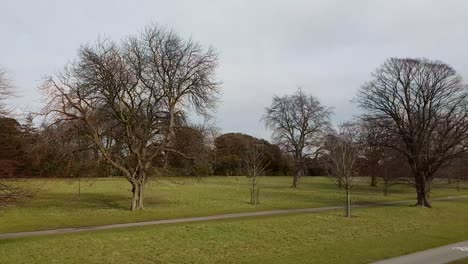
<point x="343" y="150"/>
<point x="422" y="107"/>
<point x="128" y="99"/>
<point x="298" y="122"/>
<point x="255" y="163"/>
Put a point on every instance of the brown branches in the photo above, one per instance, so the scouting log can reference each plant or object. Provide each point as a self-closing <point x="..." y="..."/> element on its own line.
<point x="421" y="106"/>
<point x="127" y="99"/>
<point x="344" y="149"/>
<point x="298" y="122"/>
<point x="255" y="163"/>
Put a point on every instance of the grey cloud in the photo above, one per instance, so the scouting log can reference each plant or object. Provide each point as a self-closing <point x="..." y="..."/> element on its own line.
<point x="266" y="47"/>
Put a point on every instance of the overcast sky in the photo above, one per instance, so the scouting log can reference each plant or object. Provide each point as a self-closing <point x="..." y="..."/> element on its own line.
<point x="329" y="48"/>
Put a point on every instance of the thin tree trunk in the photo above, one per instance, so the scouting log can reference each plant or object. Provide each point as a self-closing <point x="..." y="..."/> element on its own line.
<point x="254" y="191"/>
<point x="79" y="188"/>
<point x="257" y="201"/>
<point x="373" y="180"/>
<point x="386" y="182"/>
<point x="459" y="176"/>
<point x="386" y="193"/>
<point x="348" y="202"/>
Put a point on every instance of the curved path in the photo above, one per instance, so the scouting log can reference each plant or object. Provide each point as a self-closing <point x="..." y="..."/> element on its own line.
<point x="201" y="218"/>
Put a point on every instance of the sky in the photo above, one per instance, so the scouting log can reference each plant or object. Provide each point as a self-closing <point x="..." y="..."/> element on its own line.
<point x="266" y="47"/>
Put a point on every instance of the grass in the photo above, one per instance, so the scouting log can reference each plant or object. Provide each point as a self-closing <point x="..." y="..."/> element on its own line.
<point x="461" y="261"/>
<point x="106" y="201"/>
<point x="373" y="234"/>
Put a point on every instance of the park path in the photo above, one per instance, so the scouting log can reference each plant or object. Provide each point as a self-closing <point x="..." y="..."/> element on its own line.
<point x="438" y="255"/>
<point x="202" y="218"/>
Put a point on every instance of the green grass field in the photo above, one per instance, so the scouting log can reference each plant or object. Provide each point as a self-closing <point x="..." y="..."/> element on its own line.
<point x="106" y="201"/>
<point x="327" y="237"/>
<point x="375" y="233"/>
<point x="461" y="261"/>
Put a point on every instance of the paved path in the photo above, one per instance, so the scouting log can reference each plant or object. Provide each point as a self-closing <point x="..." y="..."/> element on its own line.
<point x="438" y="255"/>
<point x="202" y="218"/>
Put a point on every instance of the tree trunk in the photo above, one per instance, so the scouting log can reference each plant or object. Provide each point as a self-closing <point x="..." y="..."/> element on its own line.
<point x="296" y="180"/>
<point x="423" y="200"/>
<point x="299" y="172"/>
<point x="422" y="192"/>
<point x="79" y="188"/>
<point x="137" y="196"/>
<point x="373" y="180"/>
<point x="386" y="193"/>
<point x="348" y="201"/>
<point x="257" y="200"/>
<point x="140" y="198"/>
<point x="254" y="191"/>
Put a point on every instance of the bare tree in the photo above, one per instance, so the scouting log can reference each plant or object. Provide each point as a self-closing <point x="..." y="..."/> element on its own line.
<point x="255" y="163"/>
<point x="6" y="92"/>
<point x="343" y="149"/>
<point x="11" y="148"/>
<point x="374" y="153"/>
<point x="128" y="99"/>
<point x="422" y="107"/>
<point x="298" y="122"/>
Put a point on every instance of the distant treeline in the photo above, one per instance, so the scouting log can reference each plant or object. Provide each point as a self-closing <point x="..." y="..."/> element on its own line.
<point x="56" y="151"/>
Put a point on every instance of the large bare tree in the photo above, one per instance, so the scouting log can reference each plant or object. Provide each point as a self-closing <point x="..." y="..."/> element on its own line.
<point x="298" y="122"/>
<point x="343" y="150"/>
<point x="128" y="98"/>
<point x="421" y="105"/>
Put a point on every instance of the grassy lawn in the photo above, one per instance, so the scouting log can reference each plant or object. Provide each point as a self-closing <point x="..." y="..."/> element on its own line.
<point x="461" y="261"/>
<point x="106" y="201"/>
<point x="373" y="234"/>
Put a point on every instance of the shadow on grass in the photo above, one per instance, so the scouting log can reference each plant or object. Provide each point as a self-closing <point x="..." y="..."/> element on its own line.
<point x="65" y="201"/>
